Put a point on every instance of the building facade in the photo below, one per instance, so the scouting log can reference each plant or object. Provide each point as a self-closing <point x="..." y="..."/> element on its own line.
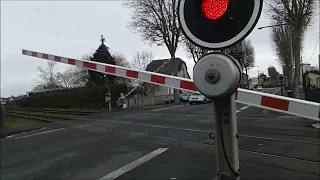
<point x="169" y="68"/>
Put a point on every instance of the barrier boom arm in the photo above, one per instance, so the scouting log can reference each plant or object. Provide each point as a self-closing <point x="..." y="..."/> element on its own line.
<point x="306" y="109"/>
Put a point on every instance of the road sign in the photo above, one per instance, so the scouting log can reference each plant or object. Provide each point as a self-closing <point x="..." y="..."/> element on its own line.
<point x="215" y="24"/>
<point x="281" y="77"/>
<point x="296" y="107"/>
<point x="107" y="98"/>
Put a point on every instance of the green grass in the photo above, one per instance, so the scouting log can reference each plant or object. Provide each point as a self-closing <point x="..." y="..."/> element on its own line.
<point x="21" y="124"/>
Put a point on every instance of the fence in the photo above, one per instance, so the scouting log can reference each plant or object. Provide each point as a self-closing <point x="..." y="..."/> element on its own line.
<point x="138" y="101"/>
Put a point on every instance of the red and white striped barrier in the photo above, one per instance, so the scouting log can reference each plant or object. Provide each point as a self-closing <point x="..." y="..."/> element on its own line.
<point x="306" y="109"/>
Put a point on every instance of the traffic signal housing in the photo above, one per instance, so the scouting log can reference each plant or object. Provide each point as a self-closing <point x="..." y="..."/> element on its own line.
<point x="216" y="24"/>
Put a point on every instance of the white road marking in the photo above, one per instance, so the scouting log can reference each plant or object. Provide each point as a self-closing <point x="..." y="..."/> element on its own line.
<point x="14" y="135"/>
<point x="317" y="126"/>
<point x="276" y="139"/>
<point x="277" y="91"/>
<point x="205" y="131"/>
<point x="134" y="164"/>
<point x="8" y="137"/>
<point x="159" y="109"/>
<point x="243" y="108"/>
<point x="45" y="132"/>
<point x="157" y="126"/>
<point x="167" y="114"/>
<point x="167" y="108"/>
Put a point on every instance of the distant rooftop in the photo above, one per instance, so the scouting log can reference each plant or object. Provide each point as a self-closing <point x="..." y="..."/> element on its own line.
<point x="169" y="68"/>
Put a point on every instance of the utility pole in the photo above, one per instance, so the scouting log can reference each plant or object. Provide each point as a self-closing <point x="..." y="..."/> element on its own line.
<point x="2" y="121"/>
<point x="319" y="51"/>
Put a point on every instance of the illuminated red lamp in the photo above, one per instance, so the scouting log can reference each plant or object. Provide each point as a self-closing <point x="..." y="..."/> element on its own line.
<point x="214" y="9"/>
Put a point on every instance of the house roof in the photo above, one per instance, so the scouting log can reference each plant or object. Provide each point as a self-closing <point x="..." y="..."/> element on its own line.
<point x="169" y="68"/>
<point x="314" y="71"/>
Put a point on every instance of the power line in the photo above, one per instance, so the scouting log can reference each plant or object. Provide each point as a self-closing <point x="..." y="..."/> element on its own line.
<point x="314" y="49"/>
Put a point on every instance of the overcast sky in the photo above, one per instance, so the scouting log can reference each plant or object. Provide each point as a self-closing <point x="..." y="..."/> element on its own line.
<point x="73" y="29"/>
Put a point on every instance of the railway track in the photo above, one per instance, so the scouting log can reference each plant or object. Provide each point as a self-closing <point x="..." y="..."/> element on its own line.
<point x="49" y="115"/>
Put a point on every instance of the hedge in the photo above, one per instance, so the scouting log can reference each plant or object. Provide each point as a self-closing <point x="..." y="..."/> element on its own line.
<point x="75" y="98"/>
<point x="313" y="95"/>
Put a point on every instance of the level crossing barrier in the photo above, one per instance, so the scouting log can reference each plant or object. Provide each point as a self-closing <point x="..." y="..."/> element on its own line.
<point x="291" y="106"/>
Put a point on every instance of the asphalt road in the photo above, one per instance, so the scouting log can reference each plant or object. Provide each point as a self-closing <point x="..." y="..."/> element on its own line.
<point x="163" y="143"/>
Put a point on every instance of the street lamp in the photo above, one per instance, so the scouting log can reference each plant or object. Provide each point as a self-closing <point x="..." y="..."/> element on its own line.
<point x="291" y="48"/>
<point x="258" y="73"/>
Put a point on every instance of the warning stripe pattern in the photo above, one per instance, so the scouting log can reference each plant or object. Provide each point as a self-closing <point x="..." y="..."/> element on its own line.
<point x="306" y="109"/>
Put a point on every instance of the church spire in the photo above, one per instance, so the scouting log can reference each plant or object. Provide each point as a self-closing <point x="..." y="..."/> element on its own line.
<point x="102" y="39"/>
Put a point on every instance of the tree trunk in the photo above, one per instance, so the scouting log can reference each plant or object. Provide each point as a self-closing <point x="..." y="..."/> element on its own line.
<point x="297" y="52"/>
<point x="247" y="78"/>
<point x="2" y="120"/>
<point x="289" y="77"/>
<point x="175" y="91"/>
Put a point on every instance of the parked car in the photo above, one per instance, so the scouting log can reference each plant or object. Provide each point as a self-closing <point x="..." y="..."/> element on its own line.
<point x="198" y="99"/>
<point x="184" y="97"/>
<point x="259" y="88"/>
<point x="169" y="100"/>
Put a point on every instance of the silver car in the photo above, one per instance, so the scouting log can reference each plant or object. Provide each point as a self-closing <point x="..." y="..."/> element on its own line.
<point x="198" y="99"/>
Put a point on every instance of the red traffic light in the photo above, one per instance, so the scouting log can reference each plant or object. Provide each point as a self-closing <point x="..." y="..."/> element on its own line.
<point x="214" y="9"/>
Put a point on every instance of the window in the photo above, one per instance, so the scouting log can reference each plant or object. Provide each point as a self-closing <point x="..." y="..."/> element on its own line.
<point x="183" y="75"/>
<point x="158" y="88"/>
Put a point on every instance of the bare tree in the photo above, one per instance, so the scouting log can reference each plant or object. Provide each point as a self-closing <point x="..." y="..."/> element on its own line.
<point x="246" y="56"/>
<point x="48" y="77"/>
<point x="299" y="15"/>
<point x="193" y="51"/>
<point x="72" y="77"/>
<point x="141" y="59"/>
<point x="157" y="22"/>
<point x="234" y="49"/>
<point x="280" y="37"/>
<point x="249" y="56"/>
<point x="122" y="61"/>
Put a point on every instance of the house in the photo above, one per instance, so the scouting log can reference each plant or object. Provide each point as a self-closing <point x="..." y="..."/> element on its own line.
<point x="253" y="81"/>
<point x="3" y="100"/>
<point x="168" y="69"/>
<point x="304" y="68"/>
<point x="11" y="101"/>
<point x="313" y="78"/>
